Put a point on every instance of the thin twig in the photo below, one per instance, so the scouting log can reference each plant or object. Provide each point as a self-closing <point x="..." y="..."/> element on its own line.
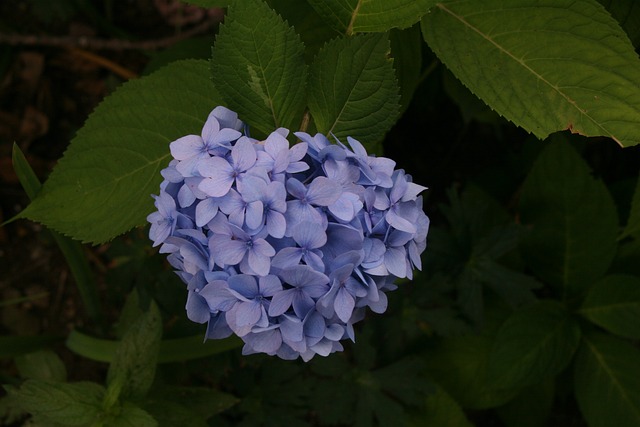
<point x="116" y="69"/>
<point x="98" y="44"/>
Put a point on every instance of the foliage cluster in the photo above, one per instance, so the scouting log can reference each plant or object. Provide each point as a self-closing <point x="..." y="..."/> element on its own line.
<point x="529" y="303"/>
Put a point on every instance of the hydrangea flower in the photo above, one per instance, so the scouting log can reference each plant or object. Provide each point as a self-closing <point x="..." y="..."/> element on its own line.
<point x="285" y="246"/>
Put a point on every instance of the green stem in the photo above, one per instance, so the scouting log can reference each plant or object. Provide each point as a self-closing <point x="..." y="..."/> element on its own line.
<point x="71" y="249"/>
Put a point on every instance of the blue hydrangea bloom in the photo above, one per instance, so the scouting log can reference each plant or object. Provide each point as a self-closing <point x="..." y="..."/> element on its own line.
<point x="285" y="246"/>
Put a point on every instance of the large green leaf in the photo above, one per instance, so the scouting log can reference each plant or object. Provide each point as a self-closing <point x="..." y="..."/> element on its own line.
<point x="102" y="186"/>
<point x="134" y="363"/>
<point x="574" y="220"/>
<point x="68" y="404"/>
<point x="533" y="344"/>
<point x="546" y="65"/>
<point x="258" y="67"/>
<point x="614" y="304"/>
<point x="353" y="16"/>
<point x="606" y="382"/>
<point x="353" y="90"/>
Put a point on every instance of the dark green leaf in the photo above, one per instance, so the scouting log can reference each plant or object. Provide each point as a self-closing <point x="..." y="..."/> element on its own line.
<point x="633" y="223"/>
<point x="12" y="346"/>
<point x="170" y="414"/>
<point x="69" y="404"/>
<point x="440" y="410"/>
<point x="606" y="381"/>
<point x="459" y="364"/>
<point x="627" y="13"/>
<point x="172" y="350"/>
<point x="614" y="304"/>
<point x="574" y="220"/>
<point x="531" y="408"/>
<point x="535" y="343"/>
<point x="544" y="66"/>
<point x="134" y="363"/>
<point x="42" y="365"/>
<point x="511" y="285"/>
<point x="353" y="90"/>
<point x="313" y="30"/>
<point x="204" y="402"/>
<point x="353" y="16"/>
<point x="406" y="49"/>
<point x="130" y="415"/>
<point x="72" y="251"/>
<point x="123" y="145"/>
<point x="258" y="67"/>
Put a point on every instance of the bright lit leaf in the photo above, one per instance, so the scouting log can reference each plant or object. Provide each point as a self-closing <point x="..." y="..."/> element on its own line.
<point x="545" y="66"/>
<point x="102" y="186"/>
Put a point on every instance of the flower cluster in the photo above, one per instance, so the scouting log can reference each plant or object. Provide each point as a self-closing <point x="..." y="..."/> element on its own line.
<point x="285" y="246"/>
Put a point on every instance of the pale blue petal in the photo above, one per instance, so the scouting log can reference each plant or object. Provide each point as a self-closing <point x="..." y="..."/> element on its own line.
<point x="296" y="188"/>
<point x="205" y="211"/>
<point x="399" y="223"/>
<point x="248" y="313"/>
<point x="395" y="259"/>
<point x="259" y="263"/>
<point x="276" y="224"/>
<point x="197" y="308"/>
<point x="243" y="154"/>
<point x="244" y="284"/>
<point x="287" y="257"/>
<point x="254" y="215"/>
<point x="185" y="147"/>
<point x="322" y="191"/>
<point x="269" y="285"/>
<point x="308" y="235"/>
<point x="281" y="302"/>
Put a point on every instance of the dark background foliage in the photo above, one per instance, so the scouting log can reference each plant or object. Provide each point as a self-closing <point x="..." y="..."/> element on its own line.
<point x="424" y="362"/>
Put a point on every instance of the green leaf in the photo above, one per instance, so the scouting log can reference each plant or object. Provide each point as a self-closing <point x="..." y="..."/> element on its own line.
<point x="531" y="408"/>
<point x="258" y="67"/>
<point x="69" y="404"/>
<point x="546" y="66"/>
<point x="134" y="363"/>
<point x="440" y="410"/>
<point x="574" y="220"/>
<point x="12" y="346"/>
<point x="606" y="382"/>
<point x="169" y="414"/>
<point x="102" y="185"/>
<point x="173" y="350"/>
<point x="200" y="401"/>
<point x="353" y="90"/>
<point x="312" y="28"/>
<point x="633" y="223"/>
<point x="72" y="251"/>
<point x="627" y="13"/>
<point x="353" y="16"/>
<point x="130" y="415"/>
<point x="406" y="49"/>
<point x="459" y="365"/>
<point x="614" y="304"/>
<point x="535" y="343"/>
<point x="42" y="365"/>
